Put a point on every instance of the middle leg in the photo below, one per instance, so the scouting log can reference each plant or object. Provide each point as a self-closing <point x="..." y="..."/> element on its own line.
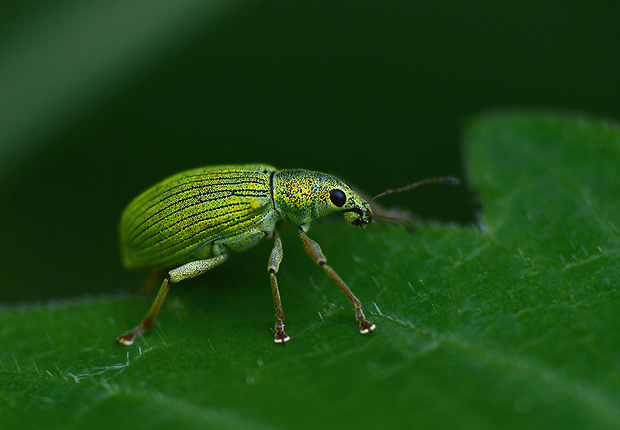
<point x="274" y="265"/>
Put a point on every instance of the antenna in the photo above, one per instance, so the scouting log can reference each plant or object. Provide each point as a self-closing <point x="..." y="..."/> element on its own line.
<point x="445" y="180"/>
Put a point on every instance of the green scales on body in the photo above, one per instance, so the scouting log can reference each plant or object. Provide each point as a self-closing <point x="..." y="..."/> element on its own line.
<point x="192" y="221"/>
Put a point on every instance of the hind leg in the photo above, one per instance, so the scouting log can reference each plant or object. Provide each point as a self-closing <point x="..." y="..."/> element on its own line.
<point x="187" y="271"/>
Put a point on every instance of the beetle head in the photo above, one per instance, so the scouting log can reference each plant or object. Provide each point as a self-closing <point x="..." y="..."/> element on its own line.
<point x="334" y="195"/>
<point x="303" y="196"/>
<point x="355" y="209"/>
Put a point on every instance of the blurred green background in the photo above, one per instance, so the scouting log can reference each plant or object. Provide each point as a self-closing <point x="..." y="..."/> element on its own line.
<point x="99" y="100"/>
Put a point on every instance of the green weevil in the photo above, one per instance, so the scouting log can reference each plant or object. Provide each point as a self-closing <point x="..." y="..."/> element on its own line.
<point x="192" y="221"/>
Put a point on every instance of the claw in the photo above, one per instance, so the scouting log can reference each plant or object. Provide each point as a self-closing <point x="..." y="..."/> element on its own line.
<point x="130" y="336"/>
<point x="366" y="327"/>
<point x="281" y="337"/>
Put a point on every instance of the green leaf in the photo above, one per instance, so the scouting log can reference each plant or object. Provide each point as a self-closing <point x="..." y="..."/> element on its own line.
<point x="509" y="324"/>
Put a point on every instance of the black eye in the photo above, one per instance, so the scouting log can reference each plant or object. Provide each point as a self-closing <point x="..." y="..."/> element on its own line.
<point x="338" y="197"/>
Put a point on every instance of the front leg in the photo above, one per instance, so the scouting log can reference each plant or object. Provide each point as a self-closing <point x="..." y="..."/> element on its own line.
<point x="314" y="251"/>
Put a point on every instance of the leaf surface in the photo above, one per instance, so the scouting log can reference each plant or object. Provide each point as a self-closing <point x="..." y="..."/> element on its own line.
<point x="509" y="324"/>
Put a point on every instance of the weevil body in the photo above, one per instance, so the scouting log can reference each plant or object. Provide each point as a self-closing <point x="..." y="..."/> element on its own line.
<point x="192" y="221"/>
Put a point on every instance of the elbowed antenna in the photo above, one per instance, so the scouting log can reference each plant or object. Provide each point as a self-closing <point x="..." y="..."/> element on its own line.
<point x="445" y="180"/>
